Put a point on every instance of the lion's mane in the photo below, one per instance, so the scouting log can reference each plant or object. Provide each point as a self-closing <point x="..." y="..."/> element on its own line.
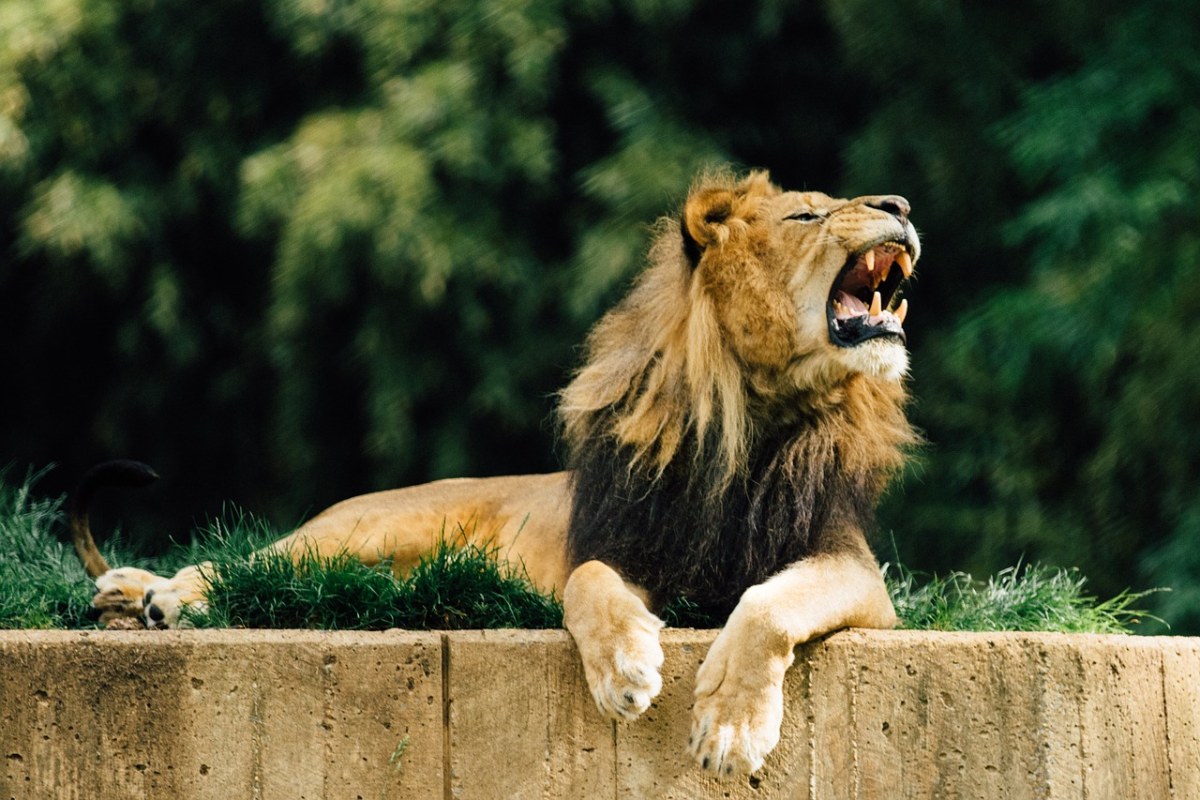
<point x="689" y="476"/>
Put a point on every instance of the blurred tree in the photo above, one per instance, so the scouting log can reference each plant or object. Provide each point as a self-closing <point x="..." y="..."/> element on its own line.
<point x="128" y="302"/>
<point x="1062" y="406"/>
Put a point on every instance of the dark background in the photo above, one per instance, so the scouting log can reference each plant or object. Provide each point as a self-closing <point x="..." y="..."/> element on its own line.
<point x="292" y="251"/>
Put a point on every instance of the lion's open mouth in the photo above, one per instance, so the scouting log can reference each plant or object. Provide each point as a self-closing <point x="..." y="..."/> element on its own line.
<point x="865" y="302"/>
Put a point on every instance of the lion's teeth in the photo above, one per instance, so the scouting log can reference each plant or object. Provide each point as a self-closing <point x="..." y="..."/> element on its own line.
<point x="902" y="310"/>
<point x="869" y="257"/>
<point x="905" y="263"/>
<point x="876" y="305"/>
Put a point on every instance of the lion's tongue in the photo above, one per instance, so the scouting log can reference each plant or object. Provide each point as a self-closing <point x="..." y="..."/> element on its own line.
<point x="851" y="306"/>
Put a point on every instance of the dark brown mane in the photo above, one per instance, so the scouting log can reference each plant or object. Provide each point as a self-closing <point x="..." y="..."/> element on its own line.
<point x="805" y="488"/>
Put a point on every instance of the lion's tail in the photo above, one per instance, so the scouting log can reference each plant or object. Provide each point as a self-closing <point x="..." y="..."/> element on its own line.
<point x="110" y="473"/>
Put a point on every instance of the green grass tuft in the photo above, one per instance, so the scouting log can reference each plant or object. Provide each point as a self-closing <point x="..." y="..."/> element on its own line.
<point x="462" y="586"/>
<point x="683" y="613"/>
<point x="42" y="583"/>
<point x="454" y="587"/>
<point x="1032" y="597"/>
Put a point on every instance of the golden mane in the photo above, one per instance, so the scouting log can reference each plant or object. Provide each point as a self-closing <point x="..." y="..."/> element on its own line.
<point x="659" y="362"/>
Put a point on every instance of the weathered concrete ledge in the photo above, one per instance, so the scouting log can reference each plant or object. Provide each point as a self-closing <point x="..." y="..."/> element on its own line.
<point x="500" y="714"/>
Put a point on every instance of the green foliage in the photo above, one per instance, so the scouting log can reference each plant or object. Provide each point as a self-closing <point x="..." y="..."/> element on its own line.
<point x="1061" y="407"/>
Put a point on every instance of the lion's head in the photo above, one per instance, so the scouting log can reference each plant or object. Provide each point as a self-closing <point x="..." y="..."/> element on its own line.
<point x="792" y="279"/>
<point x="754" y="369"/>
<point x="761" y="305"/>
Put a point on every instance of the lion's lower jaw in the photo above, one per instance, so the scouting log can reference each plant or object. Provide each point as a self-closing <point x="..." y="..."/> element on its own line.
<point x="820" y="376"/>
<point x="879" y="358"/>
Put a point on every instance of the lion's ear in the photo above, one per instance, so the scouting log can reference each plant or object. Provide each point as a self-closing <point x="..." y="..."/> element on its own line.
<point x="711" y="211"/>
<point x="704" y="217"/>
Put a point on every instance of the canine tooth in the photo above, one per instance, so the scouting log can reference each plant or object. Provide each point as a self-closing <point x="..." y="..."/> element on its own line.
<point x="902" y="310"/>
<point x="876" y="305"/>
<point x="869" y="257"/>
<point x="905" y="261"/>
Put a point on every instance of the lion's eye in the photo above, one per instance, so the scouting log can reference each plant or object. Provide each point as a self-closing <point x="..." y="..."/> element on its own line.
<point x="804" y="216"/>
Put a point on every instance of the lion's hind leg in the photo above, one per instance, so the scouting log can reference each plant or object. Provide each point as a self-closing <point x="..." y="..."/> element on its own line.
<point x="156" y="601"/>
<point x="617" y="637"/>
<point x="167" y="598"/>
<point x="120" y="593"/>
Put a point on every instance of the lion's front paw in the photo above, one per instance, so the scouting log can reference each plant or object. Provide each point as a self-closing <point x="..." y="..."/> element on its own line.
<point x="623" y="669"/>
<point x="737" y="713"/>
<point x="628" y="680"/>
<point x="617" y="637"/>
<point x="732" y="732"/>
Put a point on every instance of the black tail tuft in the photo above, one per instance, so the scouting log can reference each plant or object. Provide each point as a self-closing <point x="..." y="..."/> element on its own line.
<point x="122" y="473"/>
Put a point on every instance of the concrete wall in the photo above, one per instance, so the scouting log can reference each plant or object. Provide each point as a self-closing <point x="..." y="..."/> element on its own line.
<point x="290" y="714"/>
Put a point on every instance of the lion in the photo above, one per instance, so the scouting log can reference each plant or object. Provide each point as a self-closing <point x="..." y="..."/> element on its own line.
<point x="735" y="420"/>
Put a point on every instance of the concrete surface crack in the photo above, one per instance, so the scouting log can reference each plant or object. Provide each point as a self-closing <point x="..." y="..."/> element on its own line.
<point x="447" y="789"/>
<point x="1162" y="673"/>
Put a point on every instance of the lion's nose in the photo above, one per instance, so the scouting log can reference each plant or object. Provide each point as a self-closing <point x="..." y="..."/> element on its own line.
<point x="893" y="204"/>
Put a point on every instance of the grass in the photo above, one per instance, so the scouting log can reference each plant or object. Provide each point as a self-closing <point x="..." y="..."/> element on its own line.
<point x="42" y="583"/>
<point x="397" y="756"/>
<point x="459" y="585"/>
<point x="1032" y="597"/>
<point x="456" y="586"/>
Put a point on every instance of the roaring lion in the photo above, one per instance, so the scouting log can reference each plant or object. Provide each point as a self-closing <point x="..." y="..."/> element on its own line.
<point x="734" y="423"/>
